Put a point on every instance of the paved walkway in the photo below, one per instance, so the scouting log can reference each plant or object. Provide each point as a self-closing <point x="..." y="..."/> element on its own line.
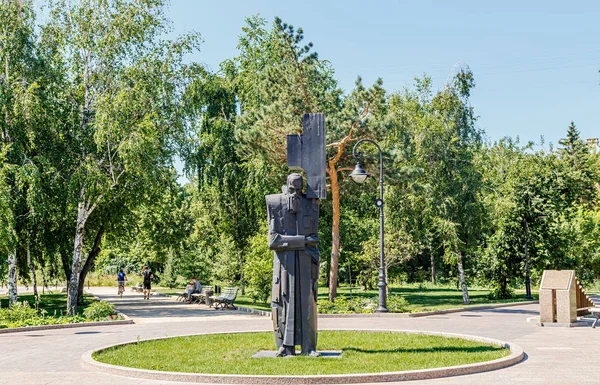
<point x="554" y="355"/>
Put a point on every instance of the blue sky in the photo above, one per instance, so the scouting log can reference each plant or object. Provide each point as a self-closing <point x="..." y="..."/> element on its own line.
<point x="535" y="63"/>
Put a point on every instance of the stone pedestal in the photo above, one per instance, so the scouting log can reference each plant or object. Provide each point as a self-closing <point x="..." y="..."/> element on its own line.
<point x="558" y="299"/>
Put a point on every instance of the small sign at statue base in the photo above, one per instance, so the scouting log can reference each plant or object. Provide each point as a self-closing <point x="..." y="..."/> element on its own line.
<point x="323" y="354"/>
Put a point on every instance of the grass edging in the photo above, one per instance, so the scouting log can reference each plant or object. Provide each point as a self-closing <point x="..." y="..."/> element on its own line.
<point x="516" y="356"/>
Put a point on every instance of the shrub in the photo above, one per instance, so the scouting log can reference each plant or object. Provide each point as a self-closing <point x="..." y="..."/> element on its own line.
<point x="99" y="311"/>
<point x="397" y="304"/>
<point x="342" y="305"/>
<point x="258" y="269"/>
<point x="18" y="312"/>
<point x="497" y="293"/>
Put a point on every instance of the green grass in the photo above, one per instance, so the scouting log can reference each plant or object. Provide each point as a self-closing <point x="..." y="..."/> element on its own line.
<point x="363" y="352"/>
<point x="54" y="304"/>
<point x="420" y="297"/>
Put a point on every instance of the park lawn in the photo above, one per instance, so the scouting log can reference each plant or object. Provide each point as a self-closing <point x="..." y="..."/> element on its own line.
<point x="430" y="298"/>
<point x="363" y="352"/>
<point x="419" y="299"/>
<point x="55" y="304"/>
<point x="52" y="310"/>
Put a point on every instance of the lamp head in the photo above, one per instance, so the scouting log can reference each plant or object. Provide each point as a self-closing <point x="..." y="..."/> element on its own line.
<point x="359" y="175"/>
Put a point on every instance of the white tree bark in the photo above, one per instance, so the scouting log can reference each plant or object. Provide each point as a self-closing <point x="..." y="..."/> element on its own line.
<point x="12" y="277"/>
<point x="463" y="282"/>
<point x="82" y="215"/>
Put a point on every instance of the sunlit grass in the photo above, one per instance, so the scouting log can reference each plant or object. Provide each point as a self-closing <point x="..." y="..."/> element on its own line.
<point x="363" y="352"/>
<point x="419" y="297"/>
<point x="54" y="304"/>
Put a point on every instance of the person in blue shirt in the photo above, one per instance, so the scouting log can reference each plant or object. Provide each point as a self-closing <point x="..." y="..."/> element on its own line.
<point x="121" y="278"/>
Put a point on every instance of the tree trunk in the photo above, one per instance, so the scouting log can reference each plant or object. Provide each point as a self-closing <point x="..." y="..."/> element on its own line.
<point x="335" y="231"/>
<point x="89" y="263"/>
<point x="432" y="259"/>
<point x="33" y="275"/>
<point x="463" y="282"/>
<point x="76" y="265"/>
<point x="12" y="277"/>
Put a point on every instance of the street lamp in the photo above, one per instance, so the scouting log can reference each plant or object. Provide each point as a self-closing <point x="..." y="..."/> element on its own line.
<point x="527" y="278"/>
<point x="359" y="175"/>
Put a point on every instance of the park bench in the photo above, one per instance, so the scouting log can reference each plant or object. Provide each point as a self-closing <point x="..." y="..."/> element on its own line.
<point x="225" y="299"/>
<point x="138" y="288"/>
<point x="201" y="297"/>
<point x="595" y="311"/>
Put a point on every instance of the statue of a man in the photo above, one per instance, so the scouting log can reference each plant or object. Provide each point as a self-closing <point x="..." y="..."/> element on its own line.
<point x="293" y="222"/>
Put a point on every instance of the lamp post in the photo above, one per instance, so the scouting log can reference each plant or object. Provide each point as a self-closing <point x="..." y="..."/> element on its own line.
<point x="359" y="175"/>
<point x="527" y="278"/>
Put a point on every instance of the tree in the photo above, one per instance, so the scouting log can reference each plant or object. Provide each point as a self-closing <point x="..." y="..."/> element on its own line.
<point x="20" y="99"/>
<point x="442" y="142"/>
<point x="123" y="86"/>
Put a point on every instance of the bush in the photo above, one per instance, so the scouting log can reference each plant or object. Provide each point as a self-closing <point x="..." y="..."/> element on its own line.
<point x="397" y="304"/>
<point x="21" y="314"/>
<point x="258" y="269"/>
<point x="18" y="312"/>
<point x="99" y="311"/>
<point x="497" y="293"/>
<point x="361" y="305"/>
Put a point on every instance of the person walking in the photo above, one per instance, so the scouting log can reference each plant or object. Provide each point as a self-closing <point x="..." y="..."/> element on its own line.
<point x="147" y="276"/>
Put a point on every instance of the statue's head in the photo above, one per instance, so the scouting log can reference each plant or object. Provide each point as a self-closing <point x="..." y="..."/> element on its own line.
<point x="294" y="184"/>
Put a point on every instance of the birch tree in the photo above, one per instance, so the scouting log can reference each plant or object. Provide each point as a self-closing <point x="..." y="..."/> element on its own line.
<point x="123" y="84"/>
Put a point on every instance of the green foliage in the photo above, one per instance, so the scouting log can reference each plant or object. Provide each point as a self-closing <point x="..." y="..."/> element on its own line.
<point x="397" y="303"/>
<point x="499" y="292"/>
<point x="20" y="314"/>
<point x="361" y="304"/>
<point x="90" y="123"/>
<point x="258" y="267"/>
<point x="99" y="311"/>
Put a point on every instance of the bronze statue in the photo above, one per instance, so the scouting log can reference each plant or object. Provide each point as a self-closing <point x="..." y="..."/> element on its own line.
<point x="293" y="228"/>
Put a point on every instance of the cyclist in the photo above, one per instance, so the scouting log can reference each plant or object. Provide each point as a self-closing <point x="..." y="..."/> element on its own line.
<point x="121" y="278"/>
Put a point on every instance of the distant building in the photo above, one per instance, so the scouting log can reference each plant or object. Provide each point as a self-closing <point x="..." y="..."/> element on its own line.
<point x="593" y="144"/>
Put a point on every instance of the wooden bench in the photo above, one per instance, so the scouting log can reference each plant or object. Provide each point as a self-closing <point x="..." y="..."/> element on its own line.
<point x="595" y="311"/>
<point x="138" y="288"/>
<point x="201" y="297"/>
<point x="225" y="299"/>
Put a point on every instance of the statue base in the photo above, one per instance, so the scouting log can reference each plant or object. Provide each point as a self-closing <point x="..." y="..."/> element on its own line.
<point x="323" y="354"/>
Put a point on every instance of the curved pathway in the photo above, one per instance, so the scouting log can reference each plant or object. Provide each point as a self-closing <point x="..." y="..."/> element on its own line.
<point x="554" y="355"/>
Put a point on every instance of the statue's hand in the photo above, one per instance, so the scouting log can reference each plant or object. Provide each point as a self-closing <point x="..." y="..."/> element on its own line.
<point x="312" y="240"/>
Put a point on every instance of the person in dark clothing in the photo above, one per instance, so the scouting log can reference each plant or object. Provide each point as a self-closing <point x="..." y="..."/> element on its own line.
<point x="147" y="276"/>
<point x="194" y="287"/>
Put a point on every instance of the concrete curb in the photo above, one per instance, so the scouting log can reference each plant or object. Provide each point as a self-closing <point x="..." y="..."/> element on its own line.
<point x="250" y="310"/>
<point x="515" y="357"/>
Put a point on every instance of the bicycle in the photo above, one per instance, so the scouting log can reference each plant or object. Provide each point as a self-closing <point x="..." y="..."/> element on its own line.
<point x="121" y="289"/>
